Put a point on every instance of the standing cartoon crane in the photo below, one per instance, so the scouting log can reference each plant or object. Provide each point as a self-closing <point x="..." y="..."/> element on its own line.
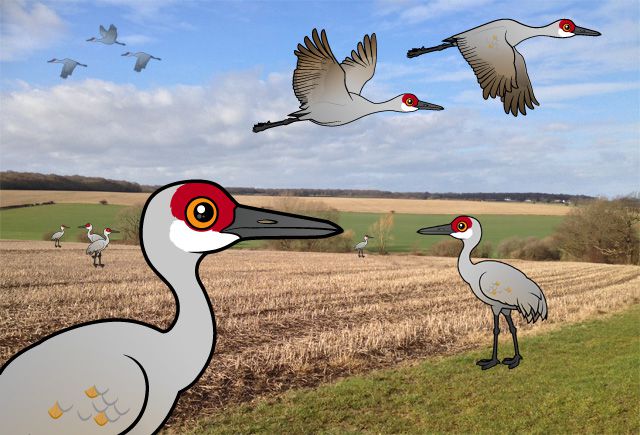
<point x="329" y="92"/>
<point x="58" y="235"/>
<point x="96" y="247"/>
<point x="360" y="246"/>
<point x="497" y="284"/>
<point x="68" y="66"/>
<point x="109" y="37"/>
<point x="117" y="376"/>
<point x="92" y="237"/>
<point x="143" y="59"/>
<point x="490" y="50"/>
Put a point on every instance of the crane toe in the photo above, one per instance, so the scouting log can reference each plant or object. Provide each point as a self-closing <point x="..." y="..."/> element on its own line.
<point x="512" y="362"/>
<point x="488" y="363"/>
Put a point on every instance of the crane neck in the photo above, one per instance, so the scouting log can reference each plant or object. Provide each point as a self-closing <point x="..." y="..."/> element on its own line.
<point x="465" y="265"/>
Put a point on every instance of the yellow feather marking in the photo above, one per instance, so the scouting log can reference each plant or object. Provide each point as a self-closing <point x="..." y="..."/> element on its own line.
<point x="493" y="292"/>
<point x="508" y="290"/>
<point x="101" y="419"/>
<point x="55" y="412"/>
<point x="92" y="393"/>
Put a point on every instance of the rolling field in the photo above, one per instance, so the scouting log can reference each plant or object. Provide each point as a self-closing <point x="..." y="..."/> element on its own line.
<point x="358" y="205"/>
<point x="290" y="320"/>
<point x="30" y="223"/>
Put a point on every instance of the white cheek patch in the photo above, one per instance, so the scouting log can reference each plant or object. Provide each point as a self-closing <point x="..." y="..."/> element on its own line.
<point x="466" y="235"/>
<point x="564" y="34"/>
<point x="198" y="241"/>
<point x="406" y="108"/>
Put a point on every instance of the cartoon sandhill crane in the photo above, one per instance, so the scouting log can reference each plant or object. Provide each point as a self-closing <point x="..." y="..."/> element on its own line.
<point x="108" y="36"/>
<point x="329" y="92"/>
<point x="497" y="284"/>
<point x="96" y="247"/>
<point x="490" y="49"/>
<point x="68" y="66"/>
<point x="58" y="235"/>
<point x="143" y="59"/>
<point x="124" y="376"/>
<point x="360" y="246"/>
<point x="92" y="237"/>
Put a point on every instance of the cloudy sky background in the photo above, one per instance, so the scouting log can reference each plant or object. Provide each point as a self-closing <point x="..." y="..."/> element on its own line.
<point x="228" y="65"/>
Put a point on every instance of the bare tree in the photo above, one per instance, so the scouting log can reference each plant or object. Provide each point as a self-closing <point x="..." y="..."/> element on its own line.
<point x="381" y="231"/>
<point x="128" y="223"/>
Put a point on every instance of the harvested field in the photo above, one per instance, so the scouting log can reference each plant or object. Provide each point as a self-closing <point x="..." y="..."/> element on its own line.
<point x="290" y="319"/>
<point x="361" y="205"/>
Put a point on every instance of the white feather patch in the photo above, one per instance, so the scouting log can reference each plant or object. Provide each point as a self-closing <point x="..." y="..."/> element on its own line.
<point x="198" y="241"/>
<point x="466" y="235"/>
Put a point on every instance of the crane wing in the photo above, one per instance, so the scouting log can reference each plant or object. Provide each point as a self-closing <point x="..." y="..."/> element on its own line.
<point x="491" y="57"/>
<point x="141" y="63"/>
<point x="112" y="30"/>
<point x="508" y="285"/>
<point x="318" y="76"/>
<point x="67" y="69"/>
<point x="360" y="67"/>
<point x="103" y="31"/>
<point x="520" y="97"/>
<point x="96" y="246"/>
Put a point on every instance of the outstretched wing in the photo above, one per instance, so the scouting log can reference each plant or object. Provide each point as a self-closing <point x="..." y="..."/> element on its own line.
<point x="103" y="31"/>
<point x="141" y="63"/>
<point x="491" y="57"/>
<point x="67" y="69"/>
<point x="520" y="97"/>
<point x="360" y="67"/>
<point x="318" y="76"/>
<point x="113" y="31"/>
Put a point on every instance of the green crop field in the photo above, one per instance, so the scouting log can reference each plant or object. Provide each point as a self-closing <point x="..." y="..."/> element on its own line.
<point x="582" y="378"/>
<point x="32" y="223"/>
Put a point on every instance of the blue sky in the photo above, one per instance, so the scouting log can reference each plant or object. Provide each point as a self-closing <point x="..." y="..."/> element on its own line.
<point x="227" y="65"/>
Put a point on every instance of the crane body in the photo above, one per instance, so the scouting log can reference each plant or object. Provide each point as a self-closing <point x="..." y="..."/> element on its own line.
<point x="142" y="59"/>
<point x="109" y="37"/>
<point x="96" y="247"/>
<point x="360" y="246"/>
<point x="58" y="235"/>
<point x="68" y="66"/>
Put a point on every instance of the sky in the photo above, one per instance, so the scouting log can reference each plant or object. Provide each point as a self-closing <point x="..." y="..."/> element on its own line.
<point x="227" y="65"/>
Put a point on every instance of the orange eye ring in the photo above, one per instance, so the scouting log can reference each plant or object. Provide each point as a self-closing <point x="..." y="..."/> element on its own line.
<point x="462" y="226"/>
<point x="201" y="213"/>
<point x="566" y="27"/>
<point x="409" y="101"/>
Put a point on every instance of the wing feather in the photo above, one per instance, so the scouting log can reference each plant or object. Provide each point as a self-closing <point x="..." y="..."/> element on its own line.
<point x="521" y="96"/>
<point x="361" y="66"/>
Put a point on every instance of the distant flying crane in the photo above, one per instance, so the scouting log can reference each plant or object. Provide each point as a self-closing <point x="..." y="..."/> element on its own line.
<point x="117" y="376"/>
<point x="92" y="237"/>
<point x="497" y="284"/>
<point x="69" y="66"/>
<point x="360" y="246"/>
<point x="108" y="36"/>
<point x="329" y="92"/>
<point x="143" y="59"/>
<point x="58" y="235"/>
<point x="499" y="67"/>
<point x="95" y="248"/>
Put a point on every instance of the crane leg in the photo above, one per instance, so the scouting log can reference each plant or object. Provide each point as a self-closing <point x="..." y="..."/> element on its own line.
<point x="100" y="260"/>
<point x="515" y="361"/>
<point x="261" y="126"/>
<point x="488" y="363"/>
<point x="94" y="260"/>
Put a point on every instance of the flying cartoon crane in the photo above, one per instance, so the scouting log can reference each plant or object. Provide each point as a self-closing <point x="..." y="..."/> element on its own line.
<point x="92" y="237"/>
<point x="329" y="92"/>
<point x="68" y="67"/>
<point x="360" y="246"/>
<point x="58" y="235"/>
<point x="143" y="59"/>
<point x="124" y="376"/>
<point x="108" y="36"/>
<point x="490" y="49"/>
<point x="497" y="284"/>
<point x="96" y="247"/>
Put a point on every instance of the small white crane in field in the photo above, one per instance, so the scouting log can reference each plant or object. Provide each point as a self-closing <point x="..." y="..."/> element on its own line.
<point x="96" y="247"/>
<point x="360" y="246"/>
<point x="58" y="235"/>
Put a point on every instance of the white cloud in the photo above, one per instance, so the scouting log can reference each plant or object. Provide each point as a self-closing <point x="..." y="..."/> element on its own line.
<point x="26" y="27"/>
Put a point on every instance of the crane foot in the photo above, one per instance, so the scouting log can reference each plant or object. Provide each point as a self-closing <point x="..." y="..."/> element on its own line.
<point x="488" y="363"/>
<point x="512" y="362"/>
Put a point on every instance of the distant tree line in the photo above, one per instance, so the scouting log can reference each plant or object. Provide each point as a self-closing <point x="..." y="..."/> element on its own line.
<point x="12" y="180"/>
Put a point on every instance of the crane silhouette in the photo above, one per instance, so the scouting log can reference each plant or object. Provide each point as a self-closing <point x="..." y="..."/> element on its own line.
<point x="96" y="247"/>
<point x="68" y="66"/>
<point x="490" y="49"/>
<point x="58" y="235"/>
<point x="108" y="36"/>
<point x="92" y="237"/>
<point x="329" y="92"/>
<point x="142" y="61"/>
<point x="497" y="284"/>
<point x="360" y="246"/>
<point x="118" y="375"/>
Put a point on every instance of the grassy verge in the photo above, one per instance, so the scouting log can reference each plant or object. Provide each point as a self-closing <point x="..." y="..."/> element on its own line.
<point x="581" y="378"/>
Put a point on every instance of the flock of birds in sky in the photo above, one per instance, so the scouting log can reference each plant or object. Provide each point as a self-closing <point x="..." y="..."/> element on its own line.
<point x="108" y="37"/>
<point x="97" y="243"/>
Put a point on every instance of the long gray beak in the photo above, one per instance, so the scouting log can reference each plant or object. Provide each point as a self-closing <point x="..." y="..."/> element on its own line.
<point x="114" y="231"/>
<point x="257" y="223"/>
<point x="423" y="105"/>
<point x="82" y="226"/>
<point x="585" y="32"/>
<point x="438" y="230"/>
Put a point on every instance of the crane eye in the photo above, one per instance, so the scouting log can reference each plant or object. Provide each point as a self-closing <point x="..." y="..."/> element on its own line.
<point x="566" y="27"/>
<point x="201" y="213"/>
<point x="409" y="101"/>
<point x="462" y="226"/>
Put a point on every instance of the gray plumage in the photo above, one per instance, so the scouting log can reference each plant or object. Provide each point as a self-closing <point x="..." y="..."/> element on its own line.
<point x="68" y="66"/>
<point x="58" y="235"/>
<point x="109" y="37"/>
<point x="500" y="69"/>
<point x="142" y="59"/>
<point x="92" y="237"/>
<point x="360" y="246"/>
<point x="96" y="247"/>
<point x="497" y="284"/>
<point x="329" y="92"/>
